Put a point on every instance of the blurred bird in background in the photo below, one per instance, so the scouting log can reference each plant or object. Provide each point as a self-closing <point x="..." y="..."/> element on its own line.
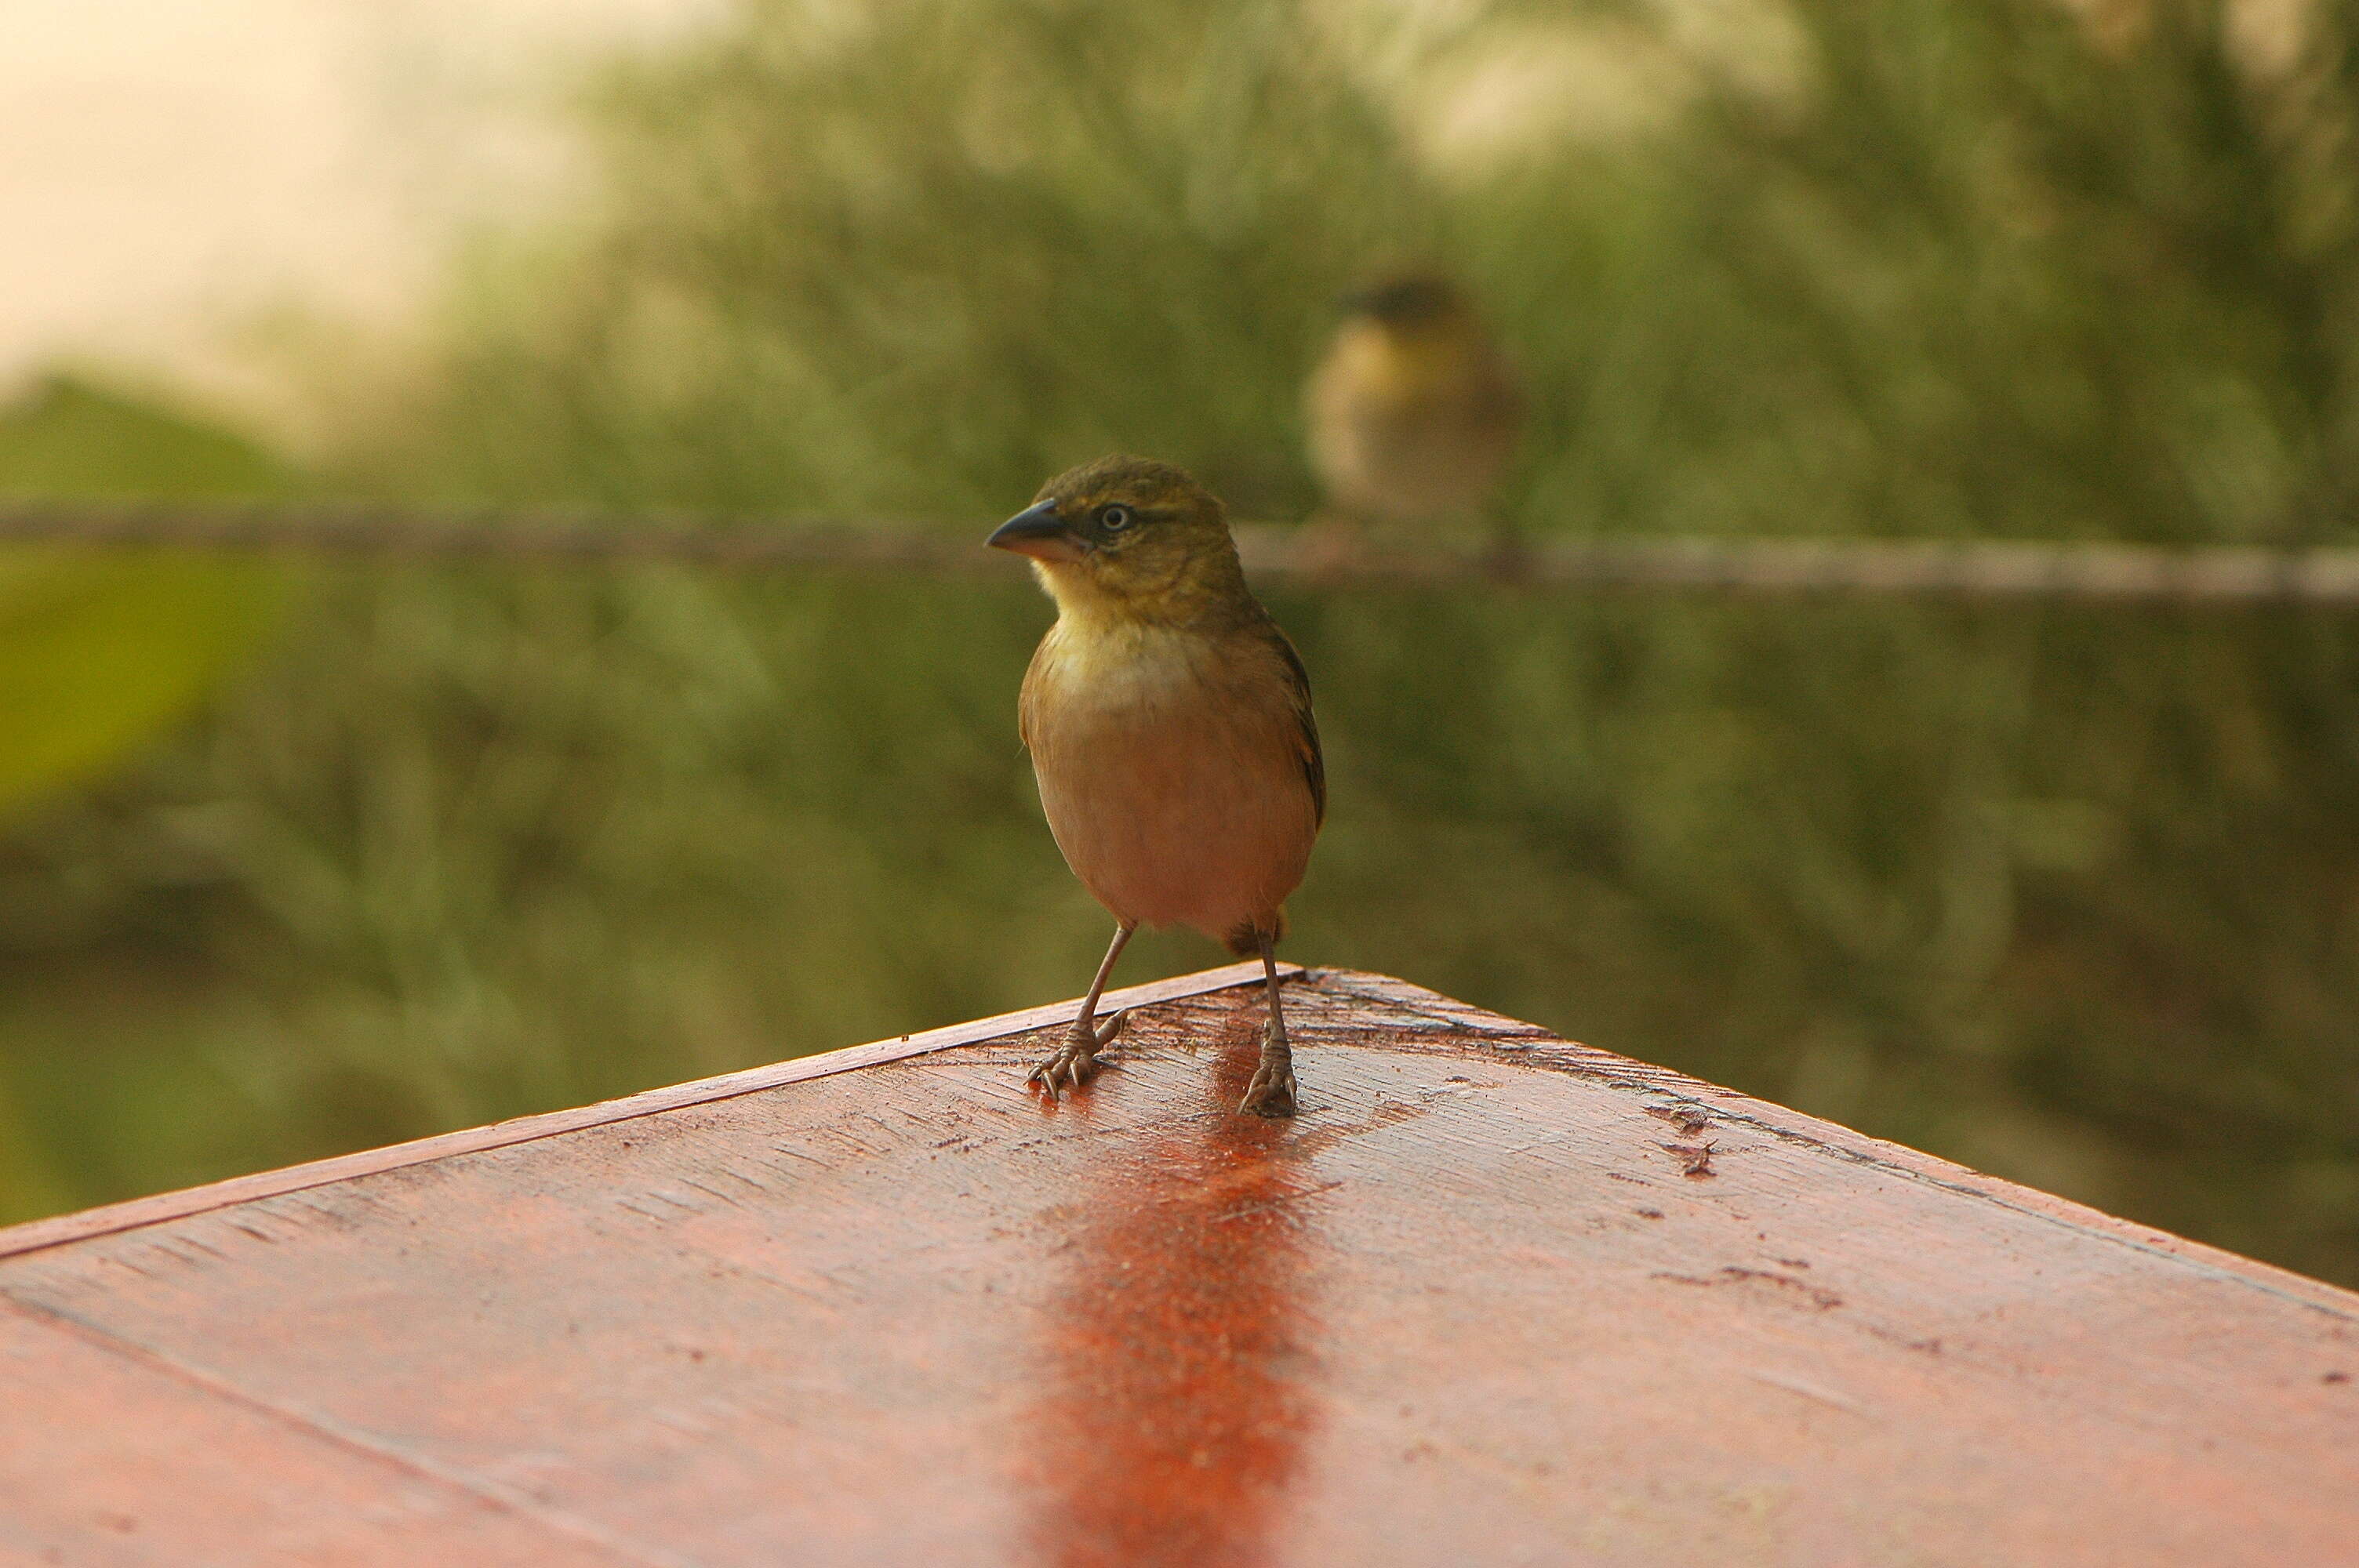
<point x="1412" y="415"/>
<point x="1170" y="724"/>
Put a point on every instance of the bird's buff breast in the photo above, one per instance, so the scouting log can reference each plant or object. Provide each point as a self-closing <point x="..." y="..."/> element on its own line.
<point x="1409" y="433"/>
<point x="1170" y="775"/>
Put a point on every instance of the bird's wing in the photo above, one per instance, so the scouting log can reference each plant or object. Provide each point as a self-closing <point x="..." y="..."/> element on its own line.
<point x="1028" y="698"/>
<point x="1297" y="682"/>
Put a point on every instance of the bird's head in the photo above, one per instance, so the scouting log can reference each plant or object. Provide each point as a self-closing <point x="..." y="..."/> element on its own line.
<point x="1412" y="305"/>
<point x="1128" y="539"/>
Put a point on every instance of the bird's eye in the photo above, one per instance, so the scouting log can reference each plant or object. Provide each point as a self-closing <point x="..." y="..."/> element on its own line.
<point x="1115" y="519"/>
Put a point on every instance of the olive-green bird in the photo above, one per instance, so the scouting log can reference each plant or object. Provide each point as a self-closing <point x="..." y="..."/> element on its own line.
<point x="1170" y="724"/>
<point x="1413" y="413"/>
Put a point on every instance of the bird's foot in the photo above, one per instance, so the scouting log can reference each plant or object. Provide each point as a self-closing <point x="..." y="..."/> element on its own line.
<point x="1270" y="1092"/>
<point x="1076" y="1062"/>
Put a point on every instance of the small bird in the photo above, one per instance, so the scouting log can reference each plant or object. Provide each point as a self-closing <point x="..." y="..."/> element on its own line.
<point x="1413" y="413"/>
<point x="1170" y="724"/>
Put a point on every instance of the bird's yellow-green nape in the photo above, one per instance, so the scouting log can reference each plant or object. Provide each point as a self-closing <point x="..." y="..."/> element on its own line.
<point x="1403" y="335"/>
<point x="1132" y="539"/>
<point x="1412" y="305"/>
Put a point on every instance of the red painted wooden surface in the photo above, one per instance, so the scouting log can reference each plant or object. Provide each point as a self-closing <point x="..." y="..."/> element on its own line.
<point x="1487" y="1300"/>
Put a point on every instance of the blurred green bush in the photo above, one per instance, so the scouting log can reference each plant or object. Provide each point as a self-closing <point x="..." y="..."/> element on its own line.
<point x="96" y="654"/>
<point x="2070" y="894"/>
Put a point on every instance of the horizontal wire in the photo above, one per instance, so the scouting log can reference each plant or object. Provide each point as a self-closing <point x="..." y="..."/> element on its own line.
<point x="1979" y="569"/>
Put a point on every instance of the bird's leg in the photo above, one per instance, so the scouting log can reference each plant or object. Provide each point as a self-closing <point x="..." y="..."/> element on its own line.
<point x="1271" y="1091"/>
<point x="1075" y="1061"/>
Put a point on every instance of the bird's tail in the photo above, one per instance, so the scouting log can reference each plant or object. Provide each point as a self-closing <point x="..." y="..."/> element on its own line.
<point x="1244" y="941"/>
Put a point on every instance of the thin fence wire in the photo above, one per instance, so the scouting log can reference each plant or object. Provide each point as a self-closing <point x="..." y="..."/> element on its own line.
<point x="1318" y="557"/>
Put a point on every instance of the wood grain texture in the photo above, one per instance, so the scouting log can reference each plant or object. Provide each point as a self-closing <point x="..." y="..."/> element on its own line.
<point x="1468" y="1307"/>
<point x="34" y="1235"/>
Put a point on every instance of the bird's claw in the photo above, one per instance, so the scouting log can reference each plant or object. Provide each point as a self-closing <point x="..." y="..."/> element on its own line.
<point x="1270" y="1091"/>
<point x="1076" y="1062"/>
<point x="1067" y="1069"/>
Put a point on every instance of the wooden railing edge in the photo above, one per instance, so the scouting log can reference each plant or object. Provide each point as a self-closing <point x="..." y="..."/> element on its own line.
<point x="1480" y="1030"/>
<point x="56" y="1230"/>
<point x="1535" y="1041"/>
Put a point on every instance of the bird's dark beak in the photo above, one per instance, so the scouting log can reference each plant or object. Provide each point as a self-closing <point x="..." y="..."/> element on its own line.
<point x="1038" y="531"/>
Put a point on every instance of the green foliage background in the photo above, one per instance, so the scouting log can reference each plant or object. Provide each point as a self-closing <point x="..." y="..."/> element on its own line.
<point x="94" y="655"/>
<point x="2069" y="894"/>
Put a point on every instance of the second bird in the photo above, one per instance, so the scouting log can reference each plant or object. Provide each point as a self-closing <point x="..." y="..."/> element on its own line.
<point x="1414" y="412"/>
<point x="1170" y="724"/>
